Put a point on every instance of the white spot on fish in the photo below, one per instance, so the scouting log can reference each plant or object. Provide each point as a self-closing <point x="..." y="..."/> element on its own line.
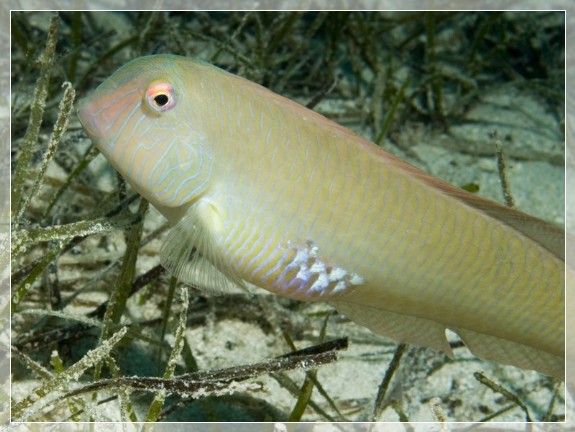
<point x="321" y="283"/>
<point x="337" y="274"/>
<point x="318" y="267"/>
<point x="340" y="286"/>
<point x="313" y="274"/>
<point x="356" y="279"/>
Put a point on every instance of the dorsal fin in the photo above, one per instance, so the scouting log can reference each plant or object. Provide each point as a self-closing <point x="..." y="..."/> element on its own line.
<point x="545" y="234"/>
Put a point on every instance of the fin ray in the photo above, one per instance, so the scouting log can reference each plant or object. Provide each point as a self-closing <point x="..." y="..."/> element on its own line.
<point x="191" y="253"/>
<point x="507" y="352"/>
<point x="402" y="328"/>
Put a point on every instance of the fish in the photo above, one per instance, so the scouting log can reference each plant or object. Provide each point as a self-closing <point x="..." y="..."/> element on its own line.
<point x="261" y="191"/>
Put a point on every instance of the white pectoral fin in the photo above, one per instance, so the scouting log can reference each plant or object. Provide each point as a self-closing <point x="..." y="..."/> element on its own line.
<point x="191" y="252"/>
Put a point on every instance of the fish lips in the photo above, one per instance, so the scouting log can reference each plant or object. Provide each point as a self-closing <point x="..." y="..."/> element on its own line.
<point x="89" y="120"/>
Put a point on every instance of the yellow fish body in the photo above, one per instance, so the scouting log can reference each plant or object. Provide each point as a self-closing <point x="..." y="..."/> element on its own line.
<point x="277" y="196"/>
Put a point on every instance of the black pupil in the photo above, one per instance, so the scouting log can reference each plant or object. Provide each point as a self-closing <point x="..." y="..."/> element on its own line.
<point x="161" y="100"/>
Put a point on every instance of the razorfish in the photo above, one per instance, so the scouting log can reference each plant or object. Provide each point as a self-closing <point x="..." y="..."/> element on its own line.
<point x="275" y="195"/>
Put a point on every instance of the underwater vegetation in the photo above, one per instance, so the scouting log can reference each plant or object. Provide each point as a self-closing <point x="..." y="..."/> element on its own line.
<point x="102" y="333"/>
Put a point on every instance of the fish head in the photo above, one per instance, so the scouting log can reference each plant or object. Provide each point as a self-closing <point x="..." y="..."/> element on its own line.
<point x="147" y="120"/>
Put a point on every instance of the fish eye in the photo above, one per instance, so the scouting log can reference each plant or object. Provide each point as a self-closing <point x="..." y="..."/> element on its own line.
<point x="160" y="96"/>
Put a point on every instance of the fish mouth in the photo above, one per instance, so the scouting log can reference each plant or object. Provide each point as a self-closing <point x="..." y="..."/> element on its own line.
<point x="89" y="121"/>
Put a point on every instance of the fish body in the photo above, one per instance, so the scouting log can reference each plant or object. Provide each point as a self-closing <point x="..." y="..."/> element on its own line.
<point x="275" y="195"/>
